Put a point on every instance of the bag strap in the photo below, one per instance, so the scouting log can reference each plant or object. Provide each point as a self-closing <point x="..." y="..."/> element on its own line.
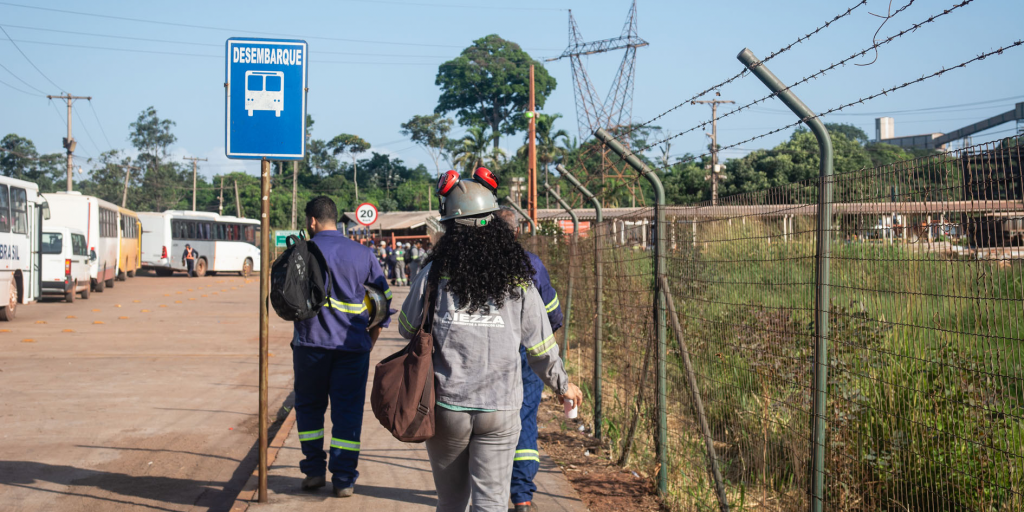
<point x="430" y="301"/>
<point x="322" y="261"/>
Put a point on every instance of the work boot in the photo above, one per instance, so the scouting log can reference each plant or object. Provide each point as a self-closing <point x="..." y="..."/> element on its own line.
<point x="526" y="507"/>
<point x="312" y="482"/>
<point x="344" y="493"/>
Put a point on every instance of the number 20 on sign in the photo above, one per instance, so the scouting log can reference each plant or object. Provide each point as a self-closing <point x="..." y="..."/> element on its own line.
<point x="366" y="214"/>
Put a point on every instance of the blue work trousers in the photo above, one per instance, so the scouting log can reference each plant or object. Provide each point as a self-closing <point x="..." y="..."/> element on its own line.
<point x="323" y="375"/>
<point x="527" y="459"/>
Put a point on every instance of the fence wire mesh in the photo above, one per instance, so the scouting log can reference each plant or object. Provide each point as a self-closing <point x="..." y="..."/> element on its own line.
<point x="925" y="397"/>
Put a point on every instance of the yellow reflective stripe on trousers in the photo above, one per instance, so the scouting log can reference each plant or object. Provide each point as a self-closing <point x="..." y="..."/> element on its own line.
<point x="543" y="347"/>
<point x="552" y="305"/>
<point x="311" y="435"/>
<point x="387" y="294"/>
<point x="527" y="455"/>
<point x="405" y="322"/>
<point x="346" y="307"/>
<point x="352" y="446"/>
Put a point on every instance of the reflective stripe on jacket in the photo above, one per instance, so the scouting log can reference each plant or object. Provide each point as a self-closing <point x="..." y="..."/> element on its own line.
<point x="341" y="324"/>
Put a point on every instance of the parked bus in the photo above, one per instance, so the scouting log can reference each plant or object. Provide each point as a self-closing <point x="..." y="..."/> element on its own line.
<point x="224" y="244"/>
<point x="98" y="220"/>
<point x="129" y="255"/>
<point x="21" y="221"/>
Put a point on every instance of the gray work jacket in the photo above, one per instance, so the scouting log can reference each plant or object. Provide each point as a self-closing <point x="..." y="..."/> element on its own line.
<point x="476" y="356"/>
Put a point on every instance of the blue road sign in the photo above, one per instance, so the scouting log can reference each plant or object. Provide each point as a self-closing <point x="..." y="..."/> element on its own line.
<point x="265" y="92"/>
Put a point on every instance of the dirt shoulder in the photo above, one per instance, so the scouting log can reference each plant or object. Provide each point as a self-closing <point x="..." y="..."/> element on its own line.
<point x="602" y="485"/>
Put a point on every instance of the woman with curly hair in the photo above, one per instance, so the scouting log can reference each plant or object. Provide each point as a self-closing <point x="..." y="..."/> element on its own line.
<point x="486" y="308"/>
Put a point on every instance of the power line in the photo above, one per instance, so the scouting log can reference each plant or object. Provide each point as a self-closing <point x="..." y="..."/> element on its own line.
<point x="28" y="59"/>
<point x="491" y="7"/>
<point x="86" y="128"/>
<point x="104" y="132"/>
<point x="16" y="89"/>
<point x="214" y="45"/>
<point x="22" y="81"/>
<point x="934" y="110"/>
<point x="206" y="27"/>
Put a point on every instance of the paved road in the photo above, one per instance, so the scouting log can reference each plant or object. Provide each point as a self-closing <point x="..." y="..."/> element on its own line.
<point x="143" y="397"/>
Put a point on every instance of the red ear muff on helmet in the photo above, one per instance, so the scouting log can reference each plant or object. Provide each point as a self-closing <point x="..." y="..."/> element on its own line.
<point x="446" y="182"/>
<point x="486" y="178"/>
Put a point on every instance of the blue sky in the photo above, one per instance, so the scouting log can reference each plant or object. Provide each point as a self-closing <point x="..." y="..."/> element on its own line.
<point x="373" y="63"/>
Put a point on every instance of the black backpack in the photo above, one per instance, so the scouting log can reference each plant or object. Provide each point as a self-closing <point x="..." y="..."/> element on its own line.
<point x="300" y="282"/>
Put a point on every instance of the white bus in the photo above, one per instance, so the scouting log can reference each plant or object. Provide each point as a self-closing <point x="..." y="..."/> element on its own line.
<point x="98" y="219"/>
<point x="264" y="90"/>
<point x="224" y="244"/>
<point x="21" y="221"/>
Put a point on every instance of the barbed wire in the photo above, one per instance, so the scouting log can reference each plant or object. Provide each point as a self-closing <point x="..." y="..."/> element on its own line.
<point x="820" y="72"/>
<point x="780" y="51"/>
<point x="886" y="91"/>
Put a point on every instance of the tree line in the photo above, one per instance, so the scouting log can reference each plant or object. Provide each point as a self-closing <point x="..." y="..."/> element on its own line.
<point x="485" y="90"/>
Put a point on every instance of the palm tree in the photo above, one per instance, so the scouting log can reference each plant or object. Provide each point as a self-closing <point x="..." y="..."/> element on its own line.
<point x="548" y="151"/>
<point x="474" y="150"/>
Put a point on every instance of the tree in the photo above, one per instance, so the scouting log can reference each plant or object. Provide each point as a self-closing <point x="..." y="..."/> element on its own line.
<point x="19" y="159"/>
<point x="431" y="132"/>
<point x="351" y="144"/>
<point x="548" y="150"/>
<point x="472" y="151"/>
<point x="164" y="184"/>
<point x="489" y="82"/>
<point x="850" y="131"/>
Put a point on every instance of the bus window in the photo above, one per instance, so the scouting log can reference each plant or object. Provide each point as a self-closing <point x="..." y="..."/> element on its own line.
<point x="191" y="230"/>
<point x="207" y="231"/>
<point x="250" y="235"/>
<point x="220" y="231"/>
<point x="5" y="211"/>
<point x="19" y="210"/>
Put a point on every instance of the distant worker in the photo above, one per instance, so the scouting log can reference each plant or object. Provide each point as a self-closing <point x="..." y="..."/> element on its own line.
<point x="331" y="354"/>
<point x="527" y="459"/>
<point x="398" y="256"/>
<point x="189" y="259"/>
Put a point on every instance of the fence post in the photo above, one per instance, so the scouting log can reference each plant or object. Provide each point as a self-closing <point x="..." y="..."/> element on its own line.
<point x="598" y="300"/>
<point x="821" y="302"/>
<point x="533" y="225"/>
<point x="572" y="253"/>
<point x="659" y="297"/>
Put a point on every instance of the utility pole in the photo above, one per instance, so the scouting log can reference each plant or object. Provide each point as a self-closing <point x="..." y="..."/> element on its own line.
<point x="295" y="190"/>
<point x="238" y="202"/>
<point x="194" y="160"/>
<point x="69" y="141"/>
<point x="127" y="172"/>
<point x="716" y="171"/>
<point x="531" y="162"/>
<point x="220" y="206"/>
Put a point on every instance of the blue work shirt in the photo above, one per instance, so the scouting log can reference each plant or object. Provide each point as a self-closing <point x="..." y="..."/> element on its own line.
<point x="341" y="324"/>
<point x="542" y="281"/>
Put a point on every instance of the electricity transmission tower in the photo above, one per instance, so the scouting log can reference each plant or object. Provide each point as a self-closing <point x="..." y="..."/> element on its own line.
<point x="616" y="109"/>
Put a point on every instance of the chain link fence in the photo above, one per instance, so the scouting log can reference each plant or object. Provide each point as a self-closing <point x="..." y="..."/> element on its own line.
<point x="925" y="396"/>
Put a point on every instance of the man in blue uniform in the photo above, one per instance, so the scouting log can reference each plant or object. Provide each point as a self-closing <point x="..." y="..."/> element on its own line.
<point x="527" y="459"/>
<point x="331" y="354"/>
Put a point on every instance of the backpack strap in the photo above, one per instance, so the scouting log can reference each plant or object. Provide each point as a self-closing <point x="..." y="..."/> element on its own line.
<point x="322" y="261"/>
<point x="430" y="300"/>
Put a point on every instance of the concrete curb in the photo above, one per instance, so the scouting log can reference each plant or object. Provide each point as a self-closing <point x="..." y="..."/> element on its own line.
<point x="248" y="493"/>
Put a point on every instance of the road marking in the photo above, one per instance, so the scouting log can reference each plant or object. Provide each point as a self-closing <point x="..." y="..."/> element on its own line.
<point x="136" y="301"/>
<point x="122" y="318"/>
<point x="68" y="330"/>
<point x="71" y="316"/>
<point x="40" y="321"/>
<point x="95" y="311"/>
<point x="177" y="302"/>
<point x="5" y="330"/>
<point x="163" y="305"/>
<point x="28" y="340"/>
<point x="97" y="322"/>
<point x="145" y="311"/>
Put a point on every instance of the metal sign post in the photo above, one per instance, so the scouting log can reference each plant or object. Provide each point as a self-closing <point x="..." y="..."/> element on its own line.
<point x="265" y="118"/>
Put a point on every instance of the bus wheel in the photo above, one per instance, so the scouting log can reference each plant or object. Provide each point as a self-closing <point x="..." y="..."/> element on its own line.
<point x="8" y="311"/>
<point x="246" y="268"/>
<point x="100" y="285"/>
<point x="201" y="267"/>
<point x="121" y="276"/>
<point x="85" y="292"/>
<point x="70" y="295"/>
<point x="131" y="273"/>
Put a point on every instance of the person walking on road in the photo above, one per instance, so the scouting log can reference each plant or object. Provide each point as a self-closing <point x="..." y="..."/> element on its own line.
<point x="527" y="459"/>
<point x="399" y="257"/>
<point x="189" y="259"/>
<point x="415" y="258"/>
<point x="487" y="307"/>
<point x="331" y="354"/>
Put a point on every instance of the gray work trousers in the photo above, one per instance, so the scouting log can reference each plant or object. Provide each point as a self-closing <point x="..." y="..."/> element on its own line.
<point x="471" y="456"/>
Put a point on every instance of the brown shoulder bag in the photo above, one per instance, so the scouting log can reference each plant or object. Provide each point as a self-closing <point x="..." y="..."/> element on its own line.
<point x="402" y="396"/>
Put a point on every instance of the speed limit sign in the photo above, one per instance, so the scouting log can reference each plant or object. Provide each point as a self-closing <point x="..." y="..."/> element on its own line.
<point x="366" y="214"/>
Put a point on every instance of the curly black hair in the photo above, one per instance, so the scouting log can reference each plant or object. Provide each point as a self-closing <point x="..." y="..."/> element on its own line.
<point x="482" y="264"/>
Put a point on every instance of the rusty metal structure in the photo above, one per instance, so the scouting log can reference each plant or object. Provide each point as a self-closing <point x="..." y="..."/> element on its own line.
<point x="616" y="108"/>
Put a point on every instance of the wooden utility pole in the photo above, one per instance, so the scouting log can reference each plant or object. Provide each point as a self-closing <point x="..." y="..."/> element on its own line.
<point x="220" y="206"/>
<point x="531" y="162"/>
<point x="194" y="171"/>
<point x="716" y="173"/>
<point x="264" y="244"/>
<point x="69" y="141"/>
<point x="295" y="191"/>
<point x="238" y="202"/>
<point x="127" y="172"/>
